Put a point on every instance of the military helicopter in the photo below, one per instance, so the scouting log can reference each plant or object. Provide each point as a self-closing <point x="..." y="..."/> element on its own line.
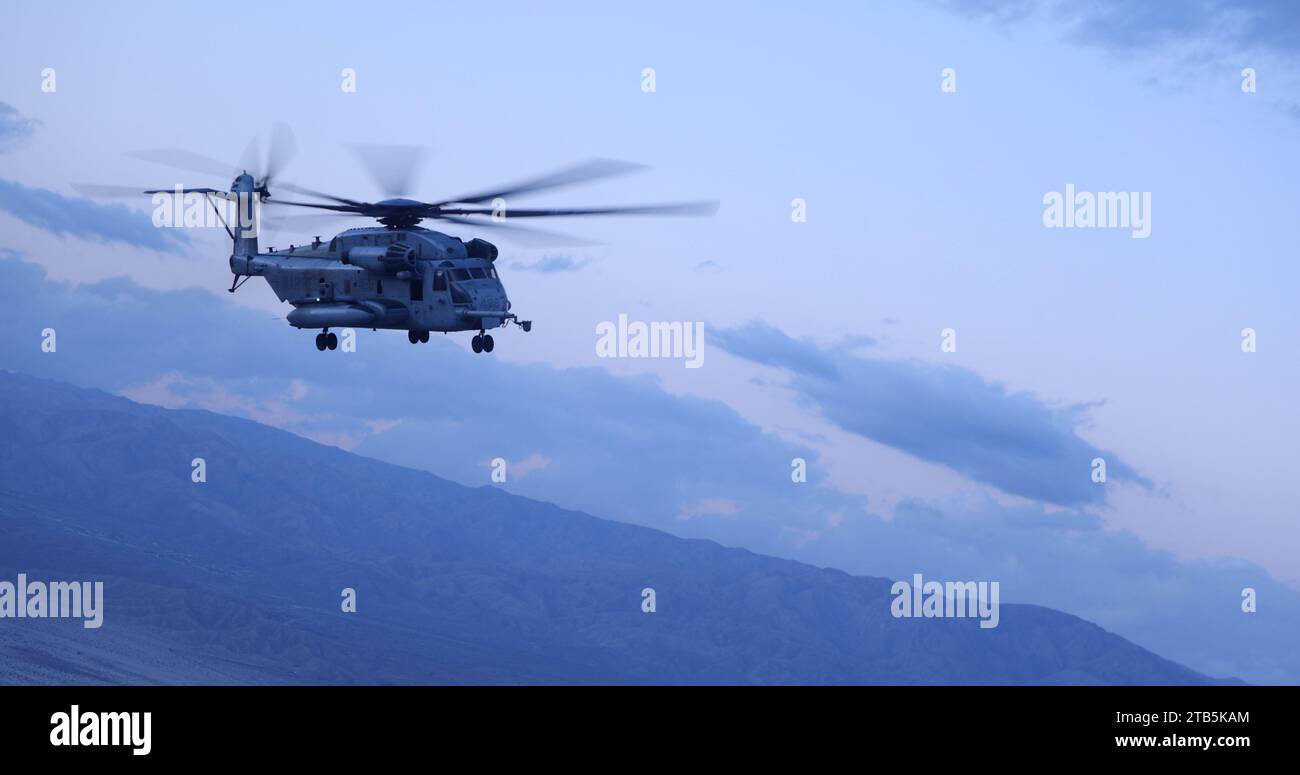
<point x="396" y="275"/>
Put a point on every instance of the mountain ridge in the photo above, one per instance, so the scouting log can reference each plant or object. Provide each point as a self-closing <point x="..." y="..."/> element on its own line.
<point x="238" y="579"/>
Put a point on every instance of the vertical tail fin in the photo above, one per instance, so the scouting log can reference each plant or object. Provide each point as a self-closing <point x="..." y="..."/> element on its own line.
<point x="248" y="216"/>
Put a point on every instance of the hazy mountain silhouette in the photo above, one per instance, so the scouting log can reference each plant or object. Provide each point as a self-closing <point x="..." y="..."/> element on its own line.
<point x="238" y="579"/>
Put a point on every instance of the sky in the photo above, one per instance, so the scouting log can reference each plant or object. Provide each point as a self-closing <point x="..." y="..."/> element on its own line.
<point x="824" y="338"/>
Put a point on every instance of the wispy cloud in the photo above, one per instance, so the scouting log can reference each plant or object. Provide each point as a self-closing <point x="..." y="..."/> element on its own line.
<point x="709" y="507"/>
<point x="766" y="345"/>
<point x="1225" y="25"/>
<point x="15" y="128"/>
<point x="176" y="391"/>
<point x="85" y="219"/>
<point x="942" y="414"/>
<point x="550" y="264"/>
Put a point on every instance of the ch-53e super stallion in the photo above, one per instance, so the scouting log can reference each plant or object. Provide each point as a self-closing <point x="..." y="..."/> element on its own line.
<point x="397" y="274"/>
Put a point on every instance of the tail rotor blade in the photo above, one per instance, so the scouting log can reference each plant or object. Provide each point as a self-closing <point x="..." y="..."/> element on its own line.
<point x="251" y="159"/>
<point x="281" y="151"/>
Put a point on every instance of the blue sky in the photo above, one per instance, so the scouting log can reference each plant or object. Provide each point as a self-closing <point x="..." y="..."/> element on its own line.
<point x="823" y="338"/>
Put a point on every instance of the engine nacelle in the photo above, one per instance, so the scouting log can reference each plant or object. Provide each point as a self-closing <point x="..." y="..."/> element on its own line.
<point x="385" y="260"/>
<point x="481" y="248"/>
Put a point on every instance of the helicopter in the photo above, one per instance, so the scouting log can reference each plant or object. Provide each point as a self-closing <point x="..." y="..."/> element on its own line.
<point x="396" y="274"/>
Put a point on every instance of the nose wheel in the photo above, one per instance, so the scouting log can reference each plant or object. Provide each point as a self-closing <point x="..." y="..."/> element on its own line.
<point x="482" y="343"/>
<point x="327" y="341"/>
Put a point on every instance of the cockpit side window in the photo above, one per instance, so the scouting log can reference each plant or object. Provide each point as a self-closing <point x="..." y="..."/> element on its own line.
<point x="477" y="274"/>
<point x="492" y="272"/>
<point x="459" y="274"/>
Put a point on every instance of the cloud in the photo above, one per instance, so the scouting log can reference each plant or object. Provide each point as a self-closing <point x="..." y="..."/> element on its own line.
<point x="1124" y="25"/>
<point x="550" y="264"/>
<point x="1187" y="43"/>
<point x="15" y="129"/>
<point x="84" y="219"/>
<point x="518" y="469"/>
<point x="381" y="425"/>
<point x="942" y="414"/>
<point x="767" y="346"/>
<point x="274" y="406"/>
<point x="709" y="507"/>
<point x="624" y="448"/>
<point x="859" y="341"/>
<point x="803" y="536"/>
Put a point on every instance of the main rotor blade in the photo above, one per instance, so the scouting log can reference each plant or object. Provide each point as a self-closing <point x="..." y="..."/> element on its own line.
<point x="392" y="167"/>
<point x="524" y="234"/>
<point x="213" y="191"/>
<point x="184" y="160"/>
<point x="359" y="208"/>
<point x="310" y="223"/>
<point x="97" y="191"/>
<point x="592" y="169"/>
<point x="308" y="192"/>
<point x="681" y="208"/>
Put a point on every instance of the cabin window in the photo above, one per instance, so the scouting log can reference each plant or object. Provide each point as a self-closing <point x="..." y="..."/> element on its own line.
<point x="416" y="284"/>
<point x="379" y="286"/>
<point x="439" y="282"/>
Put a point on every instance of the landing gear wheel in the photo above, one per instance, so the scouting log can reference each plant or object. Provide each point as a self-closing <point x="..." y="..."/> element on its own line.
<point x="332" y="341"/>
<point x="424" y="337"/>
<point x="412" y="337"/>
<point x="487" y="343"/>
<point x="476" y="344"/>
<point x="320" y="341"/>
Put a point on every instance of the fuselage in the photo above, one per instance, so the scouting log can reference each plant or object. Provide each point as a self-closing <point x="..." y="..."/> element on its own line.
<point x="411" y="279"/>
